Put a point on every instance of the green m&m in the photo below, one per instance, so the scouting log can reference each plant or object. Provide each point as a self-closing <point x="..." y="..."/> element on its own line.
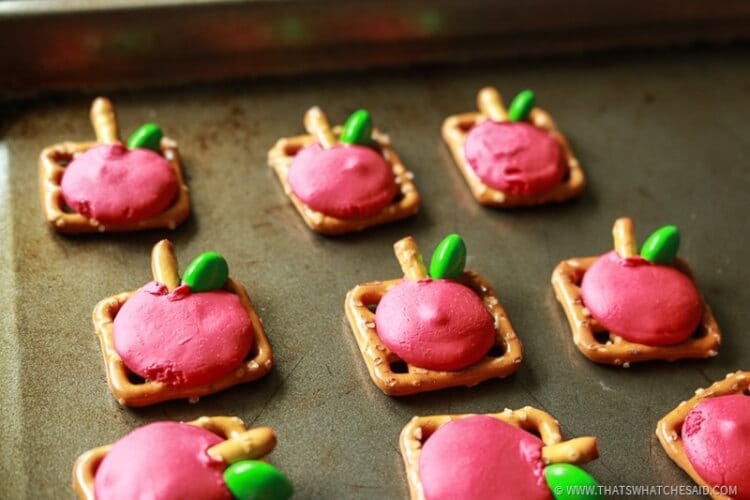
<point x="208" y="271"/>
<point x="662" y="246"/>
<point x="358" y="129"/>
<point x="147" y="136"/>
<point x="449" y="258"/>
<point x="570" y="482"/>
<point x="521" y="106"/>
<point x="256" y="480"/>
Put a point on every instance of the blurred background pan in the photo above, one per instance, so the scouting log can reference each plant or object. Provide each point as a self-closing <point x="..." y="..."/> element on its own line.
<point x="119" y="43"/>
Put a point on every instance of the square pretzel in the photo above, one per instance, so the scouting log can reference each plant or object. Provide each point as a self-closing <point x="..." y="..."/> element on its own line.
<point x="419" y="429"/>
<point x="614" y="349"/>
<point x="85" y="467"/>
<point x="405" y="204"/>
<point x="395" y="377"/>
<point x="130" y="390"/>
<point x="669" y="428"/>
<point x="455" y="130"/>
<point x="52" y="163"/>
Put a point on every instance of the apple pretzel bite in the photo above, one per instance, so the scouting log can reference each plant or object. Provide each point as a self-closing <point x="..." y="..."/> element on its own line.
<point x="553" y="452"/>
<point x="133" y="389"/>
<point x="526" y="179"/>
<point x="697" y="336"/>
<point x="715" y="422"/>
<point x="492" y="353"/>
<point x="197" y="465"/>
<point x="105" y="186"/>
<point x="347" y="185"/>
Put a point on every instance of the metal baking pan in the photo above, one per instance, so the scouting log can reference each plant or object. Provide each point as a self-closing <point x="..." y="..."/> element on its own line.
<point x="92" y="44"/>
<point x="662" y="138"/>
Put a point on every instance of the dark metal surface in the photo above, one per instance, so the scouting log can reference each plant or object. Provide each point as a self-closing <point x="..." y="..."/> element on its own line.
<point x="95" y="44"/>
<point x="662" y="139"/>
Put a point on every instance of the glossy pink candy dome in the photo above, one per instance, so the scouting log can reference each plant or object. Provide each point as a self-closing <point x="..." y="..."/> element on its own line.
<point x="345" y="181"/>
<point x="435" y="324"/>
<point x="111" y="184"/>
<point x="515" y="157"/>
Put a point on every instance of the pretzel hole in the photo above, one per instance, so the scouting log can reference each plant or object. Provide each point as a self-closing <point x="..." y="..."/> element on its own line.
<point x="698" y="333"/>
<point x="426" y="433"/>
<point x="399" y="366"/>
<point x="534" y="431"/>
<point x="465" y="126"/>
<point x="602" y="337"/>
<point x="292" y="149"/>
<point x="576" y="277"/>
<point x="496" y="351"/>
<point x="678" y="430"/>
<point x="566" y="177"/>
<point x="65" y="207"/>
<point x="135" y="379"/>
<point x="57" y="176"/>
<point x="252" y="353"/>
<point x="62" y="159"/>
<point x="398" y="196"/>
<point x="370" y="301"/>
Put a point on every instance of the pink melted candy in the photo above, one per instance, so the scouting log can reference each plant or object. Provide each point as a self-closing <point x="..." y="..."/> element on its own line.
<point x="642" y="302"/>
<point x="438" y="325"/>
<point x="112" y="184"/>
<point x="716" y="437"/>
<point x="482" y="458"/>
<point x="343" y="181"/>
<point x="182" y="338"/>
<point x="162" y="461"/>
<point x="515" y="157"/>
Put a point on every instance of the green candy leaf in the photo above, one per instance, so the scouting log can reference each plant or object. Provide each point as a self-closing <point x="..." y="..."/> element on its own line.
<point x="256" y="480"/>
<point x="148" y="136"/>
<point x="521" y="106"/>
<point x="449" y="258"/>
<point x="358" y="129"/>
<point x="662" y="246"/>
<point x="206" y="272"/>
<point x="569" y="482"/>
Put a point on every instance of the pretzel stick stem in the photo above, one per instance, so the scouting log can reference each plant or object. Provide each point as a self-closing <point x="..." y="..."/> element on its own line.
<point x="316" y="123"/>
<point x="490" y="104"/>
<point x="574" y="451"/>
<point x="164" y="265"/>
<point x="248" y="445"/>
<point x="104" y="121"/>
<point x="624" y="236"/>
<point x="407" y="253"/>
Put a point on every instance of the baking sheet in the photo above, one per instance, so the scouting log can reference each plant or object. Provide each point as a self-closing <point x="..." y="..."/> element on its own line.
<point x="662" y="138"/>
<point x="95" y="44"/>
